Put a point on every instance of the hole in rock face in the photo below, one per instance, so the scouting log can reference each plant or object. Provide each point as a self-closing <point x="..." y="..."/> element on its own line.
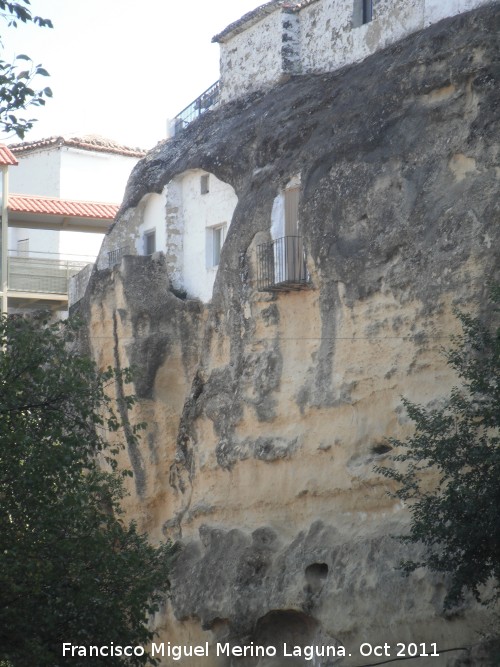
<point x="293" y="628"/>
<point x="315" y="576"/>
<point x="381" y="448"/>
<point x="317" y="571"/>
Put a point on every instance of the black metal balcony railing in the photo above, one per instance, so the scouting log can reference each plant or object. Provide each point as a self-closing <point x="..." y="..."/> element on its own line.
<point x="201" y="104"/>
<point x="115" y="256"/>
<point x="281" y="265"/>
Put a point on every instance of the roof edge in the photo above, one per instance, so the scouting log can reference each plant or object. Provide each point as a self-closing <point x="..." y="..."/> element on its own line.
<point x="247" y="20"/>
<point x="7" y="158"/>
<point x="92" y="143"/>
<point x="255" y="15"/>
<point x="40" y="205"/>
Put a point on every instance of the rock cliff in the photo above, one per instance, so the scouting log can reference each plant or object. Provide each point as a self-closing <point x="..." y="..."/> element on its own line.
<point x="267" y="411"/>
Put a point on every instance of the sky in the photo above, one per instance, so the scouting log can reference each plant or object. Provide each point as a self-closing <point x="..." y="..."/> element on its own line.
<point x="120" y="68"/>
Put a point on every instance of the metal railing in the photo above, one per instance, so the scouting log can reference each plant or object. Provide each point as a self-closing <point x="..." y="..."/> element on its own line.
<point x="115" y="256"/>
<point x="42" y="276"/>
<point x="201" y="104"/>
<point x="281" y="265"/>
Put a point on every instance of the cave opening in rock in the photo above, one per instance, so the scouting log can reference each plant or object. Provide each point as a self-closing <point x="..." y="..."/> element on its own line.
<point x="290" y="628"/>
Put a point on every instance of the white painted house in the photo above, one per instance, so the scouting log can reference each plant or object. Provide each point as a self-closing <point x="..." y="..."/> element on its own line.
<point x="287" y="37"/>
<point x="86" y="168"/>
<point x="190" y="219"/>
<point x="63" y="196"/>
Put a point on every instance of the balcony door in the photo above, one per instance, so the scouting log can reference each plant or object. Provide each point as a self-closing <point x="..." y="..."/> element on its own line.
<point x="293" y="263"/>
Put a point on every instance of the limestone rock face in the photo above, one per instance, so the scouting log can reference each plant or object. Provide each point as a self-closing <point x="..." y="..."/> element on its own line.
<point x="267" y="411"/>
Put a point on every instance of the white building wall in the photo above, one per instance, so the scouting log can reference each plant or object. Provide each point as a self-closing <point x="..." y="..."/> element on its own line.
<point x="153" y="218"/>
<point x="93" y="175"/>
<point x="329" y="40"/>
<point x="69" y="173"/>
<point x="184" y="219"/>
<point x="200" y="214"/>
<point x="435" y="10"/>
<point x="325" y="37"/>
<point x="81" y="246"/>
<point x="252" y="59"/>
<point x="37" y="174"/>
<point x="42" y="243"/>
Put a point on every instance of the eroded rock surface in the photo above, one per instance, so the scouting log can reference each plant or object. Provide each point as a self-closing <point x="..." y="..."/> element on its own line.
<point x="267" y="411"/>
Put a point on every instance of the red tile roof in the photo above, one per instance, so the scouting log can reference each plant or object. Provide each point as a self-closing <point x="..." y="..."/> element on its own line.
<point x="91" y="142"/>
<point x="62" y="207"/>
<point x="257" y="14"/>
<point x="6" y="157"/>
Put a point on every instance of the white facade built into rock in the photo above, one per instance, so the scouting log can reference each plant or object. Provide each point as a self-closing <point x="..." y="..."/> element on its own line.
<point x="287" y="37"/>
<point x="188" y="222"/>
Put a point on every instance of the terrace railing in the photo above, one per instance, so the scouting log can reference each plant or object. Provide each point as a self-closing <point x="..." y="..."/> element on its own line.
<point x="115" y="256"/>
<point x="281" y="265"/>
<point x="199" y="106"/>
<point x="41" y="275"/>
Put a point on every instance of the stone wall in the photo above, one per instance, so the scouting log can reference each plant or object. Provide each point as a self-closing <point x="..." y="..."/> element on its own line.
<point x="254" y="56"/>
<point x="268" y="411"/>
<point x="321" y="36"/>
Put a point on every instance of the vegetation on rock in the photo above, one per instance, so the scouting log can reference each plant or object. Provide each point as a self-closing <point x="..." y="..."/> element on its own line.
<point x="457" y="518"/>
<point x="71" y="569"/>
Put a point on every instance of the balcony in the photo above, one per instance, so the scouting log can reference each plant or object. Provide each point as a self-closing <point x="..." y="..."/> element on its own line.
<point x="115" y="255"/>
<point x="206" y="101"/>
<point x="281" y="265"/>
<point x="39" y="274"/>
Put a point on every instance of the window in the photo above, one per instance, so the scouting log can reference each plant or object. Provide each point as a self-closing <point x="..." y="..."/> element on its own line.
<point x="367" y="11"/>
<point x="150" y="242"/>
<point x="215" y="241"/>
<point x="362" y="13"/>
<point x="204" y="189"/>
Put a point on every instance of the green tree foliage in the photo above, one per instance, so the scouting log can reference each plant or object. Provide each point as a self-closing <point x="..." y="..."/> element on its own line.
<point x="17" y="77"/>
<point x="71" y="570"/>
<point x="457" y="517"/>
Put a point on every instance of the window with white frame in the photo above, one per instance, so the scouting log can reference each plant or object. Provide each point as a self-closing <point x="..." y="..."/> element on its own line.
<point x="150" y="242"/>
<point x="215" y="240"/>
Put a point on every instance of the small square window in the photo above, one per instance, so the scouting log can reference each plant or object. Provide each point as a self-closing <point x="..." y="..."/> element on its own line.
<point x="204" y="189"/>
<point x="150" y="242"/>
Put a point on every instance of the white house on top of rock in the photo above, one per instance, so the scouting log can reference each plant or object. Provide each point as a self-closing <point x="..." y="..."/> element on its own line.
<point x="190" y="219"/>
<point x="287" y="37"/>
